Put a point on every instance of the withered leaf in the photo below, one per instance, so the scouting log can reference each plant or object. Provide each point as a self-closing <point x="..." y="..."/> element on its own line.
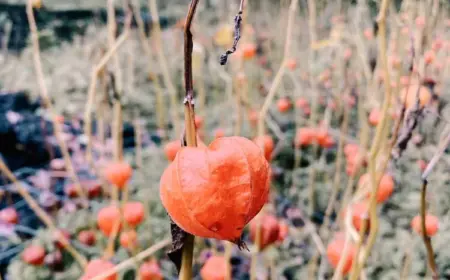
<point x="178" y="239"/>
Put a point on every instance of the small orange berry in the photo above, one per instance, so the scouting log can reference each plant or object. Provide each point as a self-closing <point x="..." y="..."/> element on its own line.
<point x="128" y="239"/>
<point x="284" y="104"/>
<point x="291" y="64"/>
<point x="118" y="173"/>
<point x="374" y="117"/>
<point x="265" y="141"/>
<point x="335" y="250"/>
<point x="133" y="213"/>
<point x="431" y="224"/>
<point x="249" y="50"/>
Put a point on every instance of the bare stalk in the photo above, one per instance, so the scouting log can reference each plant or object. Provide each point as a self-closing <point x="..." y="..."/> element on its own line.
<point x="425" y="237"/>
<point x="190" y="130"/>
<point x="279" y="76"/>
<point x="117" y="105"/>
<point x="377" y="142"/>
<point x="163" y="64"/>
<point x="131" y="261"/>
<point x="160" y="108"/>
<point x="337" y="176"/>
<point x="138" y="140"/>
<point x="92" y="90"/>
<point x="57" y="129"/>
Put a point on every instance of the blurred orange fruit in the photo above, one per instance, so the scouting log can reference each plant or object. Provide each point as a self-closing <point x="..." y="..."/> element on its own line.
<point x="431" y="224"/>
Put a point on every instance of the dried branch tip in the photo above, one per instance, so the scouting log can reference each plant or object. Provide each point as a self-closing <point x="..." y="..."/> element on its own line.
<point x="237" y="35"/>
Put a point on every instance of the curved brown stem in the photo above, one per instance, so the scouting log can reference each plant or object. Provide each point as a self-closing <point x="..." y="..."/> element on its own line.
<point x="190" y="130"/>
<point x="426" y="238"/>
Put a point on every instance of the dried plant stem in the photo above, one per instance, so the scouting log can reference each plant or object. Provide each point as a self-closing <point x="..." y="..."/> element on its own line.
<point x="101" y="112"/>
<point x="139" y="257"/>
<point x="138" y="140"/>
<point x="190" y="130"/>
<point x="312" y="18"/>
<point x="109" y="250"/>
<point x="359" y="244"/>
<point x="425" y="237"/>
<point x="279" y="76"/>
<point x="345" y="251"/>
<point x="42" y="215"/>
<point x="47" y="102"/>
<point x="160" y="108"/>
<point x="376" y="144"/>
<point x="407" y="262"/>
<point x="337" y="176"/>
<point x="117" y="105"/>
<point x="227" y="257"/>
<point x="257" y="249"/>
<point x="99" y="68"/>
<point x="265" y="108"/>
<point x="163" y="64"/>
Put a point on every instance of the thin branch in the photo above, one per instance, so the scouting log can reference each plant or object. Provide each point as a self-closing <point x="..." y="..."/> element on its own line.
<point x="279" y="76"/>
<point x="190" y="130"/>
<point x="425" y="237"/>
<point x="378" y="139"/>
<point x="163" y="64"/>
<point x="97" y="69"/>
<point x="47" y="102"/>
<point x="237" y="34"/>
<point x="131" y="261"/>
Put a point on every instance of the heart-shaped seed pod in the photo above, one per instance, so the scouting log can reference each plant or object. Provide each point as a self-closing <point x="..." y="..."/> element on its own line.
<point x="214" y="192"/>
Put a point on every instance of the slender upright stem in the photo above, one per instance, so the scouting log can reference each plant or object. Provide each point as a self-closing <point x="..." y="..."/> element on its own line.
<point x="163" y="64"/>
<point x="47" y="101"/>
<point x="190" y="130"/>
<point x="426" y="238"/>
<point x="376" y="145"/>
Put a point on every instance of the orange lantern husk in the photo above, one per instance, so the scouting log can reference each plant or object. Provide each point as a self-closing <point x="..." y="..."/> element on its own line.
<point x="214" y="192"/>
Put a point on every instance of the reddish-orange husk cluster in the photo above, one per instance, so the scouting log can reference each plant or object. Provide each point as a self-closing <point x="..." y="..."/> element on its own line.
<point x="118" y="173"/>
<point x="171" y="149"/>
<point x="335" y="252"/>
<point x="269" y="230"/>
<point x="359" y="212"/>
<point x="431" y="224"/>
<point x="306" y="136"/>
<point x="353" y="154"/>
<point x="385" y="188"/>
<point x="96" y="267"/>
<point x="214" y="192"/>
<point x="215" y="268"/>
<point x="110" y="217"/>
<point x="150" y="270"/>
<point x="266" y="143"/>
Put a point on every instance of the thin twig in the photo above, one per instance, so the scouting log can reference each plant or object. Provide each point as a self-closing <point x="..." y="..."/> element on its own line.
<point x="97" y="69"/>
<point x="190" y="129"/>
<point x="279" y="76"/>
<point x="139" y="257"/>
<point x="237" y="34"/>
<point x="160" y="108"/>
<point x="376" y="144"/>
<point x="425" y="237"/>
<point x="163" y="64"/>
<point x="47" y="102"/>
<point x="138" y="140"/>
